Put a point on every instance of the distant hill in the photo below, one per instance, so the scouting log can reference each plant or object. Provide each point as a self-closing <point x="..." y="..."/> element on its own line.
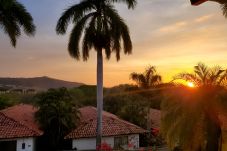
<point x="39" y="83"/>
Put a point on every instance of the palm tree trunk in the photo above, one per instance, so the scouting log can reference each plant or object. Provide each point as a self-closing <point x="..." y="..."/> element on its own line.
<point x="99" y="98"/>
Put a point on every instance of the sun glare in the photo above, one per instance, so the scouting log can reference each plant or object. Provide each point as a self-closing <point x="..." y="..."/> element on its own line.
<point x="191" y="84"/>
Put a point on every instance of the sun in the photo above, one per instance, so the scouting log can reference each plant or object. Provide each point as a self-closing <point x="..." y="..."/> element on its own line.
<point x="191" y="84"/>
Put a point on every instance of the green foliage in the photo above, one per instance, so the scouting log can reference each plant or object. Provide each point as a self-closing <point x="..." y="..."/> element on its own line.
<point x="13" y="16"/>
<point x="10" y="99"/>
<point x="85" y="94"/>
<point x="4" y="102"/>
<point x="131" y="105"/>
<point x="57" y="115"/>
<point x="122" y="100"/>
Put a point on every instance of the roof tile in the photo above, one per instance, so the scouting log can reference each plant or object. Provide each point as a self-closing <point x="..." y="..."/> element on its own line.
<point x="25" y="114"/>
<point x="10" y="128"/>
<point x="112" y="125"/>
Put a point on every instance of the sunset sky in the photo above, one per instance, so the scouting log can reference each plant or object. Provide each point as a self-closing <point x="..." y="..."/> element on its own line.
<point x="169" y="34"/>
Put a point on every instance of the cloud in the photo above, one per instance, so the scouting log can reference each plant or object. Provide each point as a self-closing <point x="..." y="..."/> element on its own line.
<point x="204" y="18"/>
<point x="174" y="27"/>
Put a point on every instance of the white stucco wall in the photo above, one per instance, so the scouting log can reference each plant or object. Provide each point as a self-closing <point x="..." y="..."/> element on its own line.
<point x="133" y="141"/>
<point x="29" y="144"/>
<point x="90" y="143"/>
<point x="84" y="143"/>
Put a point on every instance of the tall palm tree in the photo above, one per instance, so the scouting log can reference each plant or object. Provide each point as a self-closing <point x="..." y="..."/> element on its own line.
<point x="99" y="26"/>
<point x="147" y="79"/>
<point x="190" y="117"/>
<point x="13" y="16"/>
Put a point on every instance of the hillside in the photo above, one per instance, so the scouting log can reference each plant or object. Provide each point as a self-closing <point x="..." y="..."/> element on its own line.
<point x="39" y="83"/>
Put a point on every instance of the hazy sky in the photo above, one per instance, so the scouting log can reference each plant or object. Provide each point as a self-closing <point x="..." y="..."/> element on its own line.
<point x="169" y="34"/>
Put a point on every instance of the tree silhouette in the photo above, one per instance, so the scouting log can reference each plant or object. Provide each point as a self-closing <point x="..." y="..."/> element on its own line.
<point x="147" y="79"/>
<point x="13" y="17"/>
<point x="205" y="76"/>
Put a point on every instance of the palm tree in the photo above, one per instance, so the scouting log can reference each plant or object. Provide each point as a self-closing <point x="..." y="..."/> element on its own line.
<point x="190" y="117"/>
<point x="98" y="22"/>
<point x="205" y="76"/>
<point x="13" y="16"/>
<point x="147" y="79"/>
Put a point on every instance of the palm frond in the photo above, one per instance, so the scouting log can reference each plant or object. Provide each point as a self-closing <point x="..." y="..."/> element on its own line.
<point x="126" y="39"/>
<point x="23" y="18"/>
<point x="150" y="70"/>
<point x="130" y="3"/>
<point x="155" y="80"/>
<point x="139" y="79"/>
<point x="12" y="29"/>
<point x="188" y="77"/>
<point x="75" y="13"/>
<point x="224" y="9"/>
<point x="75" y="36"/>
<point x="115" y="36"/>
<point x="119" y="29"/>
<point x="202" y="71"/>
<point x="14" y="16"/>
<point x="89" y="36"/>
<point x="215" y="75"/>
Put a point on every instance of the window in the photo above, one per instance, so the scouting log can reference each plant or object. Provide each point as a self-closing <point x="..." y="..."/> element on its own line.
<point x="23" y="146"/>
<point x="120" y="142"/>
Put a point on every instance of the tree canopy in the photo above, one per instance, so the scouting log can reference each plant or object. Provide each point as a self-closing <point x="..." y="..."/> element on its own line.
<point x="57" y="115"/>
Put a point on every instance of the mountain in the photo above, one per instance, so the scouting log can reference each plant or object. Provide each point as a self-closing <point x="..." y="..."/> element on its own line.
<point x="39" y="83"/>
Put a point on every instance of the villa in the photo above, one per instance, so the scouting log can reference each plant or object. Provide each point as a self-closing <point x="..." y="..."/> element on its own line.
<point x="20" y="132"/>
<point x="117" y="133"/>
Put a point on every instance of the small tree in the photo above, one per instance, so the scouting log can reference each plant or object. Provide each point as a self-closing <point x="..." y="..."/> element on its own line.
<point x="57" y="115"/>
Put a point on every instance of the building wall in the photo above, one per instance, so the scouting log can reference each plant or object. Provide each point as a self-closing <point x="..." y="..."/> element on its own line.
<point x="84" y="144"/>
<point x="133" y="141"/>
<point x="29" y="144"/>
<point x="90" y="143"/>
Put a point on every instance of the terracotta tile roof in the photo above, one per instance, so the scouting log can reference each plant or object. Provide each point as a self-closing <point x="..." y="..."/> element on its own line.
<point x="10" y="128"/>
<point x="24" y="114"/>
<point x="112" y="125"/>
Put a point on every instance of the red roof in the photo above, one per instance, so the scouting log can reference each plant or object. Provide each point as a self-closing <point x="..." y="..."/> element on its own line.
<point x="24" y="114"/>
<point x="112" y="125"/>
<point x="10" y="128"/>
